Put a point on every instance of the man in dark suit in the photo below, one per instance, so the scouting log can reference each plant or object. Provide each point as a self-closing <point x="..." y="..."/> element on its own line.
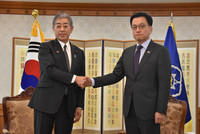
<point x="147" y="68"/>
<point x="58" y="98"/>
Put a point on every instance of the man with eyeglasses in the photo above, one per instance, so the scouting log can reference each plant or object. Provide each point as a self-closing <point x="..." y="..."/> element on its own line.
<point x="147" y="68"/>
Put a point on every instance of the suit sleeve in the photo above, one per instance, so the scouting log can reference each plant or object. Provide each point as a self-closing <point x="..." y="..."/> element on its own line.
<point x="114" y="77"/>
<point x="164" y="77"/>
<point x="81" y="94"/>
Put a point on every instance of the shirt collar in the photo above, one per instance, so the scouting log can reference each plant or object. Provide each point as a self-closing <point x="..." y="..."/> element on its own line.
<point x="62" y="44"/>
<point x="145" y="44"/>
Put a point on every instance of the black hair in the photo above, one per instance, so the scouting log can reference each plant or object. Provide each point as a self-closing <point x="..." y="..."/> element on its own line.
<point x="142" y="14"/>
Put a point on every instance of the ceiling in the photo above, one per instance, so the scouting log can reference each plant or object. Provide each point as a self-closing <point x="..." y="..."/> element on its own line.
<point x="111" y="1"/>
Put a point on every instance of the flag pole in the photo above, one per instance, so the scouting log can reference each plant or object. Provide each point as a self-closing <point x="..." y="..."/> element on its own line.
<point x="171" y="18"/>
<point x="172" y="25"/>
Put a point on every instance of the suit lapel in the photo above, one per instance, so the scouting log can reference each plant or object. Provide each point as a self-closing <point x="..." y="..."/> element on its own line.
<point x="146" y="56"/>
<point x="74" y="56"/>
<point x="60" y="53"/>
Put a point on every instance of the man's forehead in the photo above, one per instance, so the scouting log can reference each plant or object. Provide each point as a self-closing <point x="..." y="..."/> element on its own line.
<point x="59" y="23"/>
<point x="62" y="21"/>
<point x="139" y="20"/>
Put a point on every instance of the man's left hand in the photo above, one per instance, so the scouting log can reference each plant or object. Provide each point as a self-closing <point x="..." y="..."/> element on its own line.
<point x="77" y="114"/>
<point x="159" y="117"/>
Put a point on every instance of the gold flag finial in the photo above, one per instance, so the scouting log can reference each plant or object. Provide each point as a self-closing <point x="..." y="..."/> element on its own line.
<point x="35" y="25"/>
<point x="35" y="13"/>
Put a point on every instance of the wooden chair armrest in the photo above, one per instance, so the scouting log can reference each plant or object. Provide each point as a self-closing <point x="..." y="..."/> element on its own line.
<point x="5" y="131"/>
<point x="121" y="132"/>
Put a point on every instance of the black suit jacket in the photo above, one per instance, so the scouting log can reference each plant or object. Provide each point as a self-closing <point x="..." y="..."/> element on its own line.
<point x="149" y="88"/>
<point x="54" y="79"/>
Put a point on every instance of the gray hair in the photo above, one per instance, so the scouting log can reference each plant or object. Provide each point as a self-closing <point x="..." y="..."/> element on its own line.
<point x="62" y="15"/>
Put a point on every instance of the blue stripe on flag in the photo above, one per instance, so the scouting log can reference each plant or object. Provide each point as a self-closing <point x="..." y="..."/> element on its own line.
<point x="28" y="80"/>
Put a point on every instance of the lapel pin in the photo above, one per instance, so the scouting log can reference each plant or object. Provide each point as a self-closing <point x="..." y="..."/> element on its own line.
<point x="148" y="52"/>
<point x="57" y="52"/>
<point x="75" y="53"/>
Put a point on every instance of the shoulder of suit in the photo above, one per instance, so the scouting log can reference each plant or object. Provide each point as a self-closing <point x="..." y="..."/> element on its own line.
<point x="77" y="48"/>
<point x="49" y="42"/>
<point x="130" y="48"/>
<point x="154" y="43"/>
<point x="159" y="47"/>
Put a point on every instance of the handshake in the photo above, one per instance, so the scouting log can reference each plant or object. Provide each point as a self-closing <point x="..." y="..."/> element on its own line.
<point x="83" y="81"/>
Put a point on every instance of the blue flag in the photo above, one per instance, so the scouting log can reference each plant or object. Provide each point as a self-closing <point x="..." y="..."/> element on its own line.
<point x="177" y="90"/>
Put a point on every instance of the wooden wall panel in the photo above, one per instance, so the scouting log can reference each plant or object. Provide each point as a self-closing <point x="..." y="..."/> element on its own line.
<point x="1" y="119"/>
<point x="100" y="9"/>
<point x="198" y="121"/>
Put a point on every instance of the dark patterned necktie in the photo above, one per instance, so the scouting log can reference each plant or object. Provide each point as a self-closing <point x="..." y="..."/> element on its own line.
<point x="137" y="57"/>
<point x="68" y="68"/>
<point x="66" y="57"/>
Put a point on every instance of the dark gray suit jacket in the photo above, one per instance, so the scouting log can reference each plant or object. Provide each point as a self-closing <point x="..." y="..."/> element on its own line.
<point x="149" y="88"/>
<point x="54" y="79"/>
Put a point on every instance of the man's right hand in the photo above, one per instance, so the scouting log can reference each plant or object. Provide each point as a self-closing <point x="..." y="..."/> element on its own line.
<point x="83" y="81"/>
<point x="88" y="81"/>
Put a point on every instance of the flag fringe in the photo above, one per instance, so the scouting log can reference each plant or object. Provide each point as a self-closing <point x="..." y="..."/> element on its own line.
<point x="34" y="31"/>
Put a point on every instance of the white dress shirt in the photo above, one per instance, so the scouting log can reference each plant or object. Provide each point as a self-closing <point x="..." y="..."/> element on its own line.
<point x="143" y="49"/>
<point x="69" y="53"/>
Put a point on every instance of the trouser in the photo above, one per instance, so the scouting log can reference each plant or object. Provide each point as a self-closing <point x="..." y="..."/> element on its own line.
<point x="134" y="125"/>
<point x="43" y="122"/>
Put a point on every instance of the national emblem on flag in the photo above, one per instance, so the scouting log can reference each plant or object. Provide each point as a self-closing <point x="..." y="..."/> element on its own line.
<point x="31" y="71"/>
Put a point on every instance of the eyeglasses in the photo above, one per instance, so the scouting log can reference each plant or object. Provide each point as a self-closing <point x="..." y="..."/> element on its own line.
<point x="142" y="26"/>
